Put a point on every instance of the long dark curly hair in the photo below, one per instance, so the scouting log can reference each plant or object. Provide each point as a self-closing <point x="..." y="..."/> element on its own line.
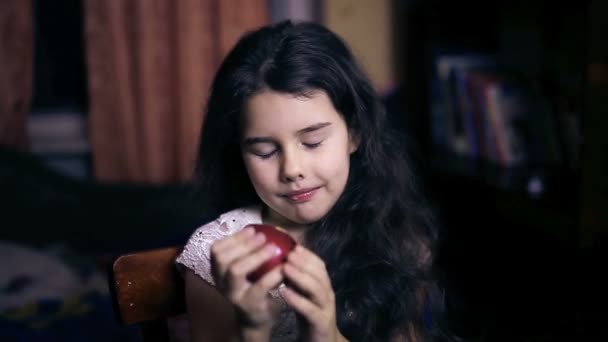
<point x="379" y="239"/>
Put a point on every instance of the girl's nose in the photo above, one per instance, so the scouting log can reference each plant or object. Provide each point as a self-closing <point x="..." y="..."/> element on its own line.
<point x="291" y="166"/>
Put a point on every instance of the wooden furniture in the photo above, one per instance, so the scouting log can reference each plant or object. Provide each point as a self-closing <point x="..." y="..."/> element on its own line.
<point x="146" y="289"/>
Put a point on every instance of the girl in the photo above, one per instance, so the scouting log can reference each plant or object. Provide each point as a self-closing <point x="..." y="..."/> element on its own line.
<point x="294" y="136"/>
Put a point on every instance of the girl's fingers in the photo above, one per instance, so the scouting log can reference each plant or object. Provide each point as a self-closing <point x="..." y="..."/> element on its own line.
<point x="310" y="263"/>
<point x="237" y="249"/>
<point x="240" y="268"/>
<point x="229" y="241"/>
<point x="267" y="282"/>
<point x="309" y="285"/>
<point x="302" y="305"/>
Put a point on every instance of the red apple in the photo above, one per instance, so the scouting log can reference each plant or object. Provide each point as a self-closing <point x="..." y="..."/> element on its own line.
<point x="281" y="240"/>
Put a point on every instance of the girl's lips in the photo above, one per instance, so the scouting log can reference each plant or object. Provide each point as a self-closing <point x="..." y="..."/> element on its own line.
<point x="301" y="195"/>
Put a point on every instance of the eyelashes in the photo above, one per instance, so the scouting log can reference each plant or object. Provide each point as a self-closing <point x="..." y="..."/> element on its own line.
<point x="313" y="145"/>
<point x="267" y="155"/>
<point x="309" y="146"/>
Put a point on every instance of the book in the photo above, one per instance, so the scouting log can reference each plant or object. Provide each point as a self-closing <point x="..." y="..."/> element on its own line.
<point x="482" y="111"/>
<point x="450" y="100"/>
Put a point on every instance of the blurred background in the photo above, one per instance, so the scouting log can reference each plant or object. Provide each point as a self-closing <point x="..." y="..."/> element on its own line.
<point x="502" y="105"/>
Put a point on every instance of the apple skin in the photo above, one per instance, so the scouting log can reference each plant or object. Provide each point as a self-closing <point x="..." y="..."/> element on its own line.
<point x="282" y="240"/>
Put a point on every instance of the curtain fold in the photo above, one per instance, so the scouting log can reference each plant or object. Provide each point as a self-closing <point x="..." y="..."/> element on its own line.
<point x="150" y="64"/>
<point x="16" y="70"/>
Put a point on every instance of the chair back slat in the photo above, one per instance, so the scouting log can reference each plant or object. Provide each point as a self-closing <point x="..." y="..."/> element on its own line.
<point x="146" y="286"/>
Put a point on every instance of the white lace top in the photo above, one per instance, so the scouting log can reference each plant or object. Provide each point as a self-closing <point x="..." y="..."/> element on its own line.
<point x="197" y="257"/>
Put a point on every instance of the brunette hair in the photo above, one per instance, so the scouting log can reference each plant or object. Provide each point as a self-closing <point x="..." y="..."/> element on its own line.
<point x="379" y="239"/>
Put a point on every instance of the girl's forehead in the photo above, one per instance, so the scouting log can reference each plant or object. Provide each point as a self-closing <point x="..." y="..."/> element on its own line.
<point x="270" y="111"/>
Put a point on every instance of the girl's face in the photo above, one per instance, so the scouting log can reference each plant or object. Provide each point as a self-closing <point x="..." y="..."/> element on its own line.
<point x="297" y="154"/>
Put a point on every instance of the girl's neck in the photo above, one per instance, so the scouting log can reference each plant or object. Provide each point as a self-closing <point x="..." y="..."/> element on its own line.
<point x="295" y="230"/>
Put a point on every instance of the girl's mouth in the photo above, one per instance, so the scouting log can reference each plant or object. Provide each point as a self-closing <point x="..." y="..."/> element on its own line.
<point x="301" y="196"/>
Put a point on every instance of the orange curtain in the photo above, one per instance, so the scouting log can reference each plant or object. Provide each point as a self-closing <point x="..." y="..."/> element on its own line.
<point x="16" y="70"/>
<point x="150" y="64"/>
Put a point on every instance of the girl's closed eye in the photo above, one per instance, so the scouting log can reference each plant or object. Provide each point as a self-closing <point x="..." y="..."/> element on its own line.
<point x="265" y="154"/>
<point x="312" y="145"/>
<point x="263" y="150"/>
<point x="312" y="137"/>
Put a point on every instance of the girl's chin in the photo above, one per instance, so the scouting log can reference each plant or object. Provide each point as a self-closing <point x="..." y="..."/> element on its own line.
<point x="306" y="214"/>
<point x="306" y="218"/>
<point x="296" y="219"/>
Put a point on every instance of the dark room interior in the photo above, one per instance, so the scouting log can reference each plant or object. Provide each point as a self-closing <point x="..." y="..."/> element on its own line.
<point x="523" y="231"/>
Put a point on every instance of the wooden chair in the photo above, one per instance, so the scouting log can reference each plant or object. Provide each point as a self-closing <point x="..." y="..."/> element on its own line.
<point x="146" y="289"/>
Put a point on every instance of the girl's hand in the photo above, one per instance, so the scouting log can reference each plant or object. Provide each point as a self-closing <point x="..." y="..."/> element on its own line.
<point x="233" y="258"/>
<point x="310" y="293"/>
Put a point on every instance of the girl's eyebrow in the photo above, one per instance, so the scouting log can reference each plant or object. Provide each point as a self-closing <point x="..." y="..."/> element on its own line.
<point x="259" y="140"/>
<point x="314" y="127"/>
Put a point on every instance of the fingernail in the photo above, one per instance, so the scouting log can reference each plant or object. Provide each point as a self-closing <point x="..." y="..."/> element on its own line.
<point x="259" y="237"/>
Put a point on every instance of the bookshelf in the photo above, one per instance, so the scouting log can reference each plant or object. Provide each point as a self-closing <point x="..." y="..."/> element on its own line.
<point x="544" y="48"/>
<point x="541" y="220"/>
